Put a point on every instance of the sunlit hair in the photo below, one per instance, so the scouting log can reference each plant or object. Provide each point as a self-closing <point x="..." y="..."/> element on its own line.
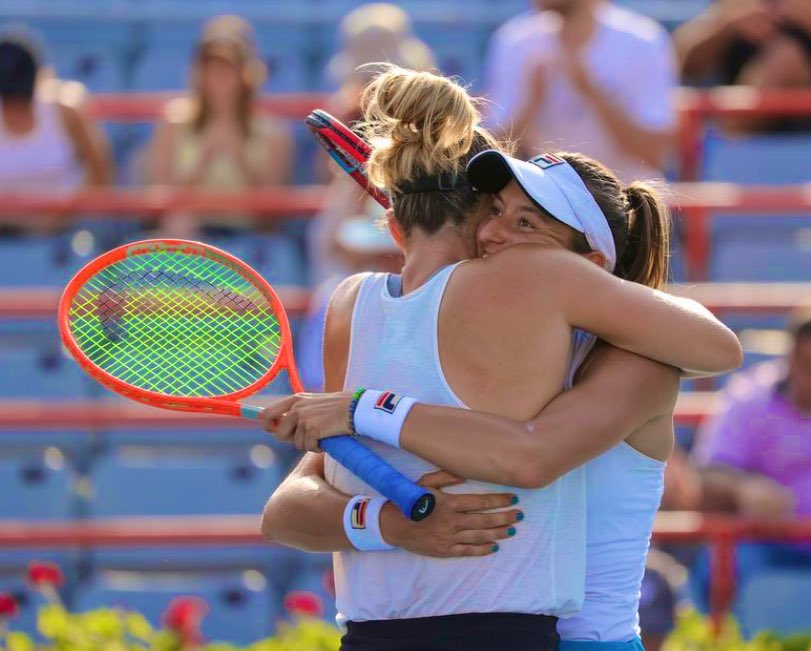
<point x="638" y="218"/>
<point x="422" y="124"/>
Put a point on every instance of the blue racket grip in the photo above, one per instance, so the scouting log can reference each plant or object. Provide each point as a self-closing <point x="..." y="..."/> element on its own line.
<point x="415" y="502"/>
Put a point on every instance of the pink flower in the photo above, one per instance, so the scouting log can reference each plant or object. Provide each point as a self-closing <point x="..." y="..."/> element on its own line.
<point x="301" y="602"/>
<point x="8" y="605"/>
<point x="45" y="574"/>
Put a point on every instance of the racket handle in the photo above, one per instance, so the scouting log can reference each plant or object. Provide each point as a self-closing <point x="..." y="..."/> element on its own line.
<point x="415" y="502"/>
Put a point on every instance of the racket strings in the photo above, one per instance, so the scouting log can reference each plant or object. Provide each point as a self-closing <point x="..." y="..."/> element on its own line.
<point x="177" y="324"/>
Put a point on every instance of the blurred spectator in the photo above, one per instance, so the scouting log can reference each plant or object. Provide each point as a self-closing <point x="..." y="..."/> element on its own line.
<point x="371" y="33"/>
<point x="585" y="75"/>
<point x="47" y="145"/>
<point x="755" y="455"/>
<point x="213" y="139"/>
<point x="363" y="244"/>
<point x="759" y="43"/>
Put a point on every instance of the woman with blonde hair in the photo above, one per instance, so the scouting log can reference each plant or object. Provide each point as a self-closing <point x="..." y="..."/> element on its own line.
<point x="491" y="335"/>
<point x="214" y="139"/>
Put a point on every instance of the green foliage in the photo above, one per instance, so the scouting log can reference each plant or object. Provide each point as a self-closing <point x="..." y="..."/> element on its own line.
<point x="694" y="632"/>
<point x="109" y="629"/>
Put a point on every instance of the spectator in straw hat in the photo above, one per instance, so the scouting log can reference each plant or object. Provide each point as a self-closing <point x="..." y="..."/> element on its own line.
<point x="213" y="138"/>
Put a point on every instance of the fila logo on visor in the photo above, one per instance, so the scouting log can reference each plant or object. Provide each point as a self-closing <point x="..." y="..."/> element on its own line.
<point x="359" y="514"/>
<point x="547" y="160"/>
<point x="388" y="402"/>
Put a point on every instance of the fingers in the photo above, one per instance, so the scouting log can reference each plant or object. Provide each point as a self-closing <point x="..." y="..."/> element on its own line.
<point x="485" y="536"/>
<point x="276" y="410"/>
<point x="469" y="521"/>
<point x="285" y="429"/>
<point x="462" y="550"/>
<point x="439" y="479"/>
<point x="483" y="501"/>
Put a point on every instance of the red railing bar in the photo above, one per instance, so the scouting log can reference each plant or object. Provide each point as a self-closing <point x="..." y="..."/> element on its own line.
<point x="307" y="200"/>
<point x="729" y="100"/>
<point x="743" y="100"/>
<point x="48" y="416"/>
<point x="239" y="529"/>
<point x="271" y="203"/>
<point x="41" y="303"/>
<point x="134" y="532"/>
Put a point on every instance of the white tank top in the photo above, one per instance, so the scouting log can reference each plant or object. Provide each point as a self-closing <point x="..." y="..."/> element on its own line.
<point x="540" y="571"/>
<point x="42" y="160"/>
<point x="624" y="488"/>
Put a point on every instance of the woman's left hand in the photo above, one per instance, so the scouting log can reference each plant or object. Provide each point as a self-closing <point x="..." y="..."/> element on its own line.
<point x="305" y="418"/>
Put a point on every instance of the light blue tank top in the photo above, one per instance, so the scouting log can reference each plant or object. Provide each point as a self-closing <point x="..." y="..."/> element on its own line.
<point x="624" y="488"/>
<point x="540" y="571"/>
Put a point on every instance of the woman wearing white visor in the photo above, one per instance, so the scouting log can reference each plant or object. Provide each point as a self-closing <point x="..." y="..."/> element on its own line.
<point x="435" y="339"/>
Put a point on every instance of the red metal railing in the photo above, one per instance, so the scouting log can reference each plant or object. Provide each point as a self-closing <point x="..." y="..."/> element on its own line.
<point x="722" y="298"/>
<point x="695" y="108"/>
<point x="698" y="203"/>
<point x="721" y="532"/>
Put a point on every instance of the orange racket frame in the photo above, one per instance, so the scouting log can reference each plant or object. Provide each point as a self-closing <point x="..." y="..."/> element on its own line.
<point x="226" y="404"/>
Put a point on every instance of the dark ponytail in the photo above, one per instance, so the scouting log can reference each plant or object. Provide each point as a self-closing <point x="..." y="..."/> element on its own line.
<point x="647" y="252"/>
<point x="639" y="222"/>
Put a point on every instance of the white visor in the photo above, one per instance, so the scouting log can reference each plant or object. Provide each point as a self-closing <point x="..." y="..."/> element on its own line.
<point x="553" y="185"/>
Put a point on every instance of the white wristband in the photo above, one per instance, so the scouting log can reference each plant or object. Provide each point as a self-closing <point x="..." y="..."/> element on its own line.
<point x="380" y="415"/>
<point x="362" y="523"/>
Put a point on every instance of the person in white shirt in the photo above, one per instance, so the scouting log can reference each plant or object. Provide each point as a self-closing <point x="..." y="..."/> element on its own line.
<point x="586" y="76"/>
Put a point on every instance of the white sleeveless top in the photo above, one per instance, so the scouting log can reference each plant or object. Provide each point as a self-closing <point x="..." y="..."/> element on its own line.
<point x="540" y="571"/>
<point x="42" y="160"/>
<point x="624" y="488"/>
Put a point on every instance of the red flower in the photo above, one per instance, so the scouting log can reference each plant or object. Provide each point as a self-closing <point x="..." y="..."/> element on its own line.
<point x="184" y="615"/>
<point x="301" y="602"/>
<point x="42" y="574"/>
<point x="8" y="605"/>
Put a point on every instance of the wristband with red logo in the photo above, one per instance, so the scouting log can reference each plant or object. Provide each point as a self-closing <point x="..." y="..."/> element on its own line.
<point x="362" y="523"/>
<point x="380" y="415"/>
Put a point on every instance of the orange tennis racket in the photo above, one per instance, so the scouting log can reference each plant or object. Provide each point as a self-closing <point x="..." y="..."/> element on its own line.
<point x="185" y="326"/>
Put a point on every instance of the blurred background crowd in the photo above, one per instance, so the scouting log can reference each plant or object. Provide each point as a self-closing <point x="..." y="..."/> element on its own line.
<point x="605" y="78"/>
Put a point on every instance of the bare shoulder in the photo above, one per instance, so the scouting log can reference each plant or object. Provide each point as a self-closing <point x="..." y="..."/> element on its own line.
<point x="342" y="301"/>
<point x="338" y="331"/>
<point x="525" y="274"/>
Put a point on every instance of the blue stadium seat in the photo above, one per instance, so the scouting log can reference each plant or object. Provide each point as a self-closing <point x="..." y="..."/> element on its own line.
<point x="289" y="53"/>
<point x="772" y="159"/>
<point x="91" y="52"/>
<point x="27" y="261"/>
<point x="41" y="371"/>
<point x="36" y="486"/>
<point x="761" y="250"/>
<point x="458" y="51"/>
<point x="242" y="609"/>
<point x="276" y="257"/>
<point x="776" y="600"/>
<point x="161" y="481"/>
